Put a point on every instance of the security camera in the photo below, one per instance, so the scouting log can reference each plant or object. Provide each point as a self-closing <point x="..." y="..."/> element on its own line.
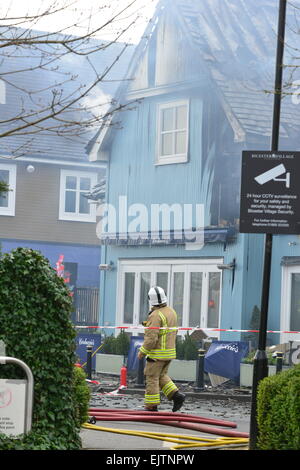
<point x="106" y="267"/>
<point x="270" y="174"/>
<point x="229" y="266"/>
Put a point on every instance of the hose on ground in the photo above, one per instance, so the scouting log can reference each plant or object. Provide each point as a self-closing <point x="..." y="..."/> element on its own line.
<point x="180" y="420"/>
<point x="183" y="441"/>
<point x="162" y="414"/>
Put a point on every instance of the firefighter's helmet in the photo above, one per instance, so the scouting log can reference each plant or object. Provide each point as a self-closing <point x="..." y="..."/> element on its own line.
<point x="157" y="296"/>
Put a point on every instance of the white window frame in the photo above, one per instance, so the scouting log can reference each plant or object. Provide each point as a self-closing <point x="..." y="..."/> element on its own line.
<point x="170" y="266"/>
<point x="11" y="194"/>
<point x="2" y="92"/>
<point x="76" y="216"/>
<point x="286" y="291"/>
<point x="173" y="158"/>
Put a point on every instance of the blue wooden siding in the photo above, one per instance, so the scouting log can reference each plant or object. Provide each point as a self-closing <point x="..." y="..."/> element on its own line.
<point x="133" y="173"/>
<point x="132" y="166"/>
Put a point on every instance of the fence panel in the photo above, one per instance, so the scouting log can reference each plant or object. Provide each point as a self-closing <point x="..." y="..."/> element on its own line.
<point x="86" y="306"/>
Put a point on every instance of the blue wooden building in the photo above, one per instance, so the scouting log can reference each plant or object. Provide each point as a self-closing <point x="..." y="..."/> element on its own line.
<point x="200" y="92"/>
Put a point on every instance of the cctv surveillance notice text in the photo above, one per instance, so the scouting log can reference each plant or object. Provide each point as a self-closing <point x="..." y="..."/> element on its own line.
<point x="270" y="192"/>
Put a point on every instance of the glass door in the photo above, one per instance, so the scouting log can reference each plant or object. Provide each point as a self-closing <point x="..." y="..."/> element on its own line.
<point x="144" y="280"/>
<point x="193" y="290"/>
<point x="178" y="292"/>
<point x="195" y="300"/>
<point x="203" y="296"/>
<point x="135" y="282"/>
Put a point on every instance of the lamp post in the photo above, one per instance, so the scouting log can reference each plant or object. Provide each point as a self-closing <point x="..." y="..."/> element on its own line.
<point x="260" y="365"/>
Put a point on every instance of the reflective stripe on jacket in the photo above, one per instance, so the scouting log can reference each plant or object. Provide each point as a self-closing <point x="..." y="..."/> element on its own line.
<point x="160" y="344"/>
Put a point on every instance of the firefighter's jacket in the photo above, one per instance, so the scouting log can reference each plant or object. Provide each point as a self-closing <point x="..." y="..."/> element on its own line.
<point x="160" y="344"/>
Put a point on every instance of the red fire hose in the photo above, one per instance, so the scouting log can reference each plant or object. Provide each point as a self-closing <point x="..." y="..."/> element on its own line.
<point x="205" y="428"/>
<point x="181" y="420"/>
<point x="160" y="415"/>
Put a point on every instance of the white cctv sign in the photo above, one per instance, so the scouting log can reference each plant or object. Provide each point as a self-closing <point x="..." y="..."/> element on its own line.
<point x="270" y="192"/>
<point x="12" y="406"/>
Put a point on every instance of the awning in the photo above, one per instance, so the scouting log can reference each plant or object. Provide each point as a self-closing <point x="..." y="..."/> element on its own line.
<point x="179" y="237"/>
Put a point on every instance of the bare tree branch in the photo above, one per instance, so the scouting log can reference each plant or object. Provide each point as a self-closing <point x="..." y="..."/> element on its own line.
<point x="65" y="102"/>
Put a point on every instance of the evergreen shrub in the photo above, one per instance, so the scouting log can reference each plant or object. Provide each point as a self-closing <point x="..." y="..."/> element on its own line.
<point x="278" y="411"/>
<point x="116" y="344"/>
<point x="82" y="396"/>
<point x="186" y="348"/>
<point x="35" y="325"/>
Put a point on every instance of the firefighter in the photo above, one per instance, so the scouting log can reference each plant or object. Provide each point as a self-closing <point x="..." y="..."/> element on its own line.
<point x="159" y="347"/>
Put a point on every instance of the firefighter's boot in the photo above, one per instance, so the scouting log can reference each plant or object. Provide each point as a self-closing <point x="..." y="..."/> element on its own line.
<point x="178" y="399"/>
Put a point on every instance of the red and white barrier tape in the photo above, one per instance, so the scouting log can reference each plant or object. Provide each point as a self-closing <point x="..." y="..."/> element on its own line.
<point x="95" y="382"/>
<point x="138" y="327"/>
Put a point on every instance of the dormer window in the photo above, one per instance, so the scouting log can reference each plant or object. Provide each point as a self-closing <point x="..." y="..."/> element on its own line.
<point x="173" y="123"/>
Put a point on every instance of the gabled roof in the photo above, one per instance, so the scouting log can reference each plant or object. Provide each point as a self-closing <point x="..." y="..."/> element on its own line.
<point x="235" y="40"/>
<point x="74" y="71"/>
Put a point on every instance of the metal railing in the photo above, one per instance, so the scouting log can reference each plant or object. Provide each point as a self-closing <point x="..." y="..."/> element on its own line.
<point x="86" y="306"/>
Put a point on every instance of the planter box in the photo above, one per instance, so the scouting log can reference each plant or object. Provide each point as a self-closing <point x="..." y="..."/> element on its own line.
<point x="179" y="369"/>
<point x="109" y="363"/>
<point x="246" y="373"/>
<point x="183" y="370"/>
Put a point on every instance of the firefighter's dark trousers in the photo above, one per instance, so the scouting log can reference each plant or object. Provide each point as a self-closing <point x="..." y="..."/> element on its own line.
<point x="157" y="380"/>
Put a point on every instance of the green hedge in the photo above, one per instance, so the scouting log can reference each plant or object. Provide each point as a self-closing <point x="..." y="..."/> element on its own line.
<point x="35" y="312"/>
<point x="186" y="347"/>
<point x="82" y="396"/>
<point x="116" y="345"/>
<point x="278" y="411"/>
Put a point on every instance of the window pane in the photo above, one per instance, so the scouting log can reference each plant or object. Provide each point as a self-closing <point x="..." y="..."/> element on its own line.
<point x="85" y="184"/>
<point x="71" y="182"/>
<point x="295" y="303"/>
<point x="4" y="200"/>
<point x="70" y="202"/>
<point x="195" y="299"/>
<point x="167" y="119"/>
<point x="144" y="303"/>
<point x="180" y="144"/>
<point x="84" y="207"/>
<point x="4" y="177"/>
<point x="181" y="117"/>
<point x="162" y="281"/>
<point x="178" y="288"/>
<point x="213" y="300"/>
<point x="167" y="144"/>
<point x="129" y="297"/>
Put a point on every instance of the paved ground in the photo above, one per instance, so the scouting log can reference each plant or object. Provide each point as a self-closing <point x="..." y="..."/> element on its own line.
<point x="217" y="405"/>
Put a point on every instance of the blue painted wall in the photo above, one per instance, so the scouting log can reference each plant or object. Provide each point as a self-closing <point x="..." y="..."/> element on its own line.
<point x="132" y="172"/>
<point x="132" y="166"/>
<point x="87" y="257"/>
